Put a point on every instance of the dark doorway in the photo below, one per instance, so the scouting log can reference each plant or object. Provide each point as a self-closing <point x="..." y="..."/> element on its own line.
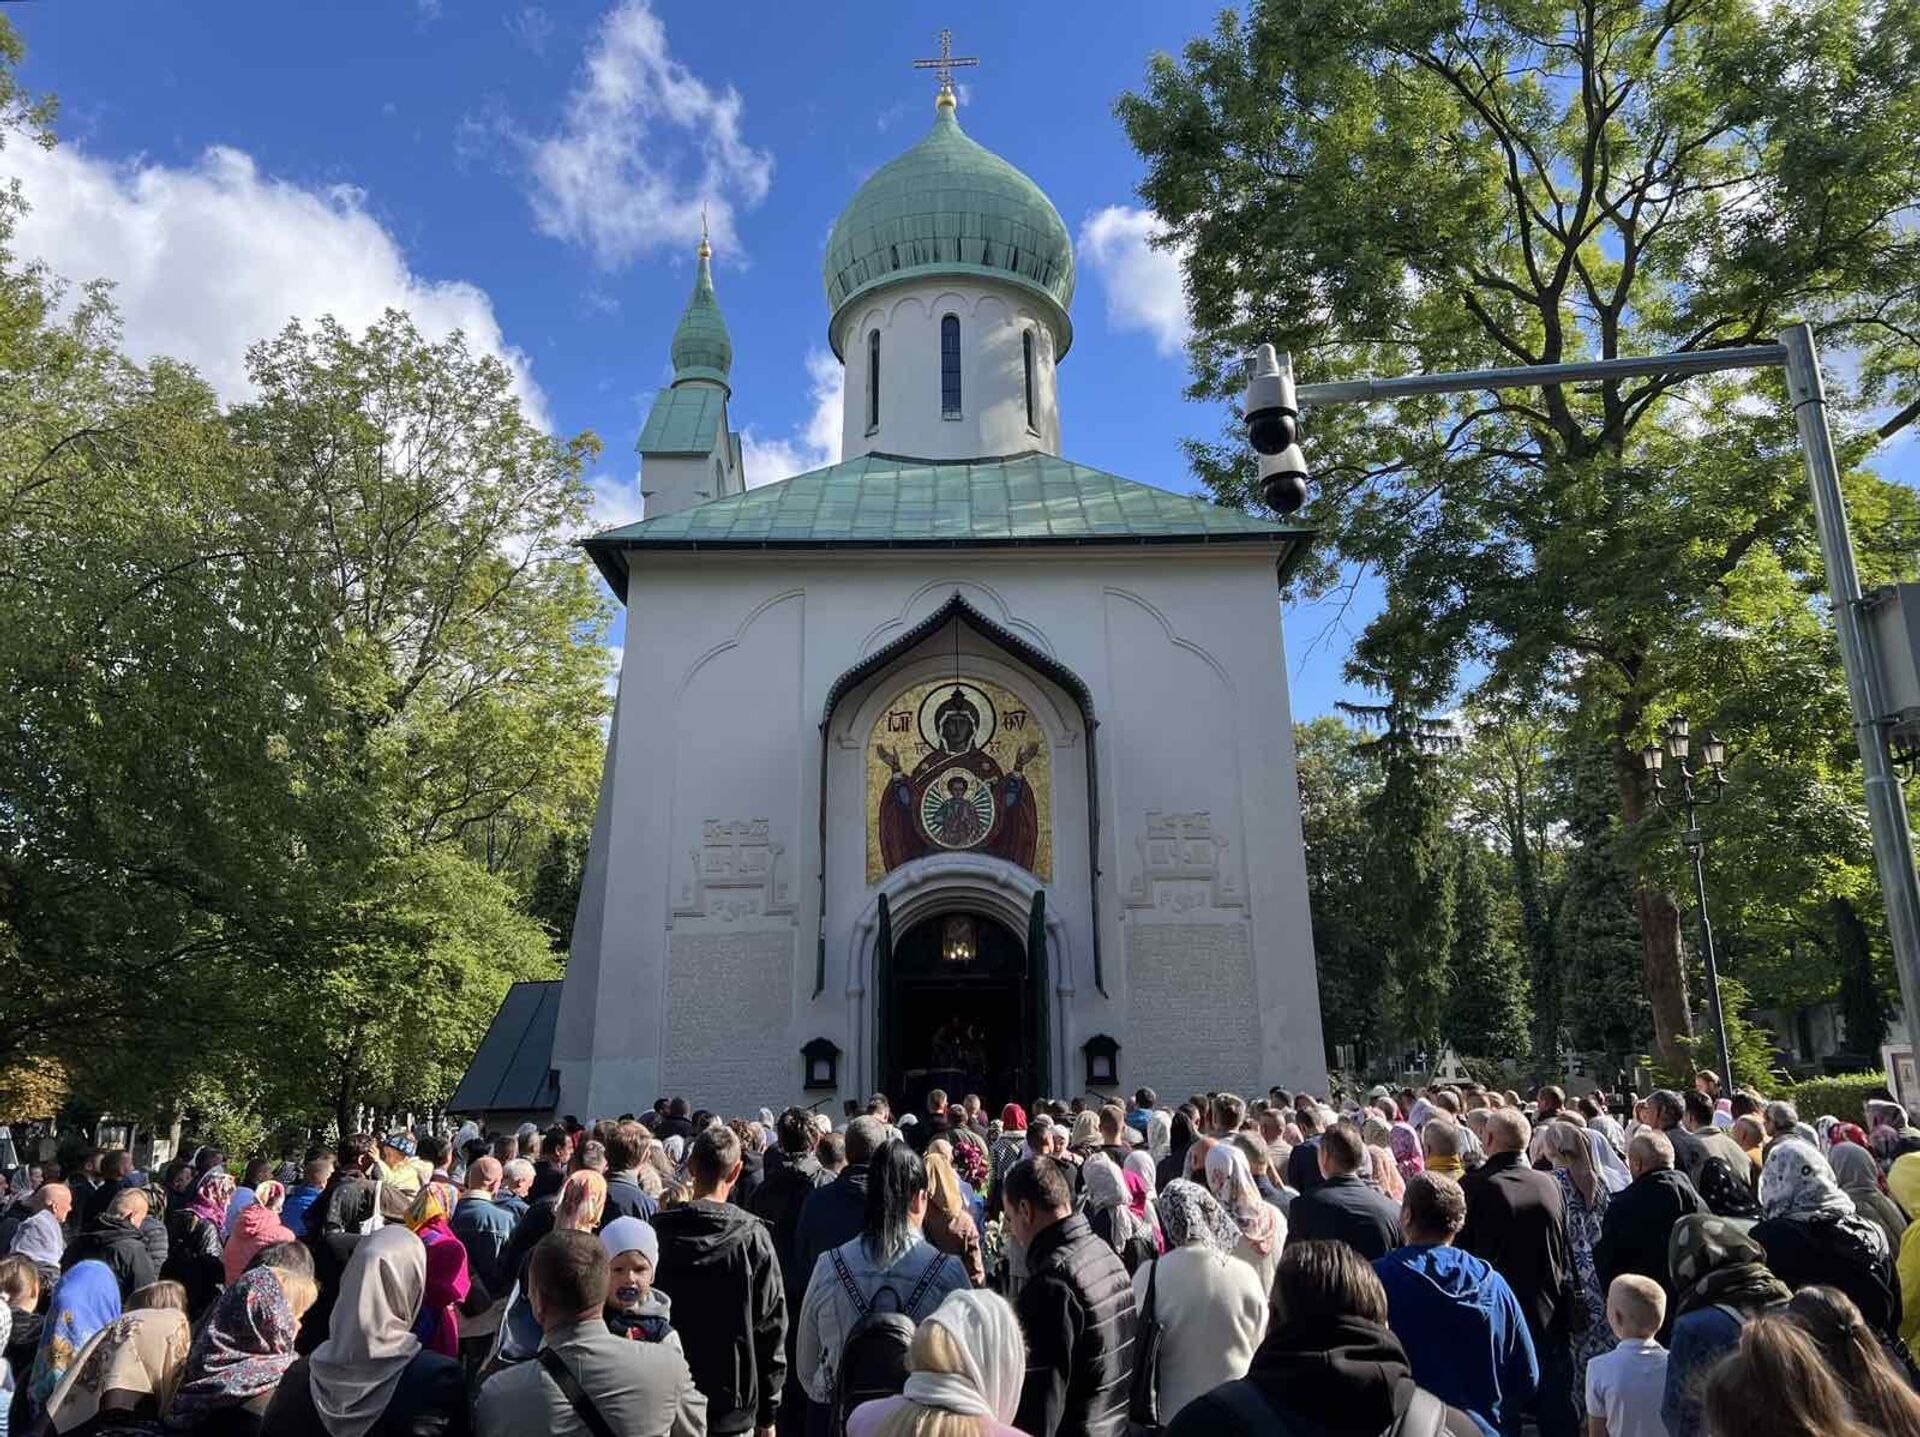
<point x="958" y="1013"/>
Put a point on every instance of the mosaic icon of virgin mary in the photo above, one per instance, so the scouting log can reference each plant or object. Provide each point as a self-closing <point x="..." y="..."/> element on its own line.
<point x="958" y="798"/>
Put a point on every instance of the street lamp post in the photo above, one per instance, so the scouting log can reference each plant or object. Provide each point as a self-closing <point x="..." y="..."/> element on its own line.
<point x="1713" y="759"/>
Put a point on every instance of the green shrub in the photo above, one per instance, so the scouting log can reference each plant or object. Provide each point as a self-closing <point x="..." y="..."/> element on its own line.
<point x="1844" y="1095"/>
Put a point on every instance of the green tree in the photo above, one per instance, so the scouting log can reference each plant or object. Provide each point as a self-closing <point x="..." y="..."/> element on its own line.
<point x="1386" y="187"/>
<point x="1336" y="784"/>
<point x="1487" y="997"/>
<point x="1863" y="1004"/>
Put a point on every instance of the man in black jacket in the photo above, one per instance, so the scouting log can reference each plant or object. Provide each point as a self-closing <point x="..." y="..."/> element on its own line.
<point x="114" y="1167"/>
<point x="1343" y="1208"/>
<point x="1517" y="1222"/>
<point x="1076" y="1307"/>
<point x="1640" y="1218"/>
<point x="785" y="1190"/>
<point x="115" y="1239"/>
<point x="1329" y="1363"/>
<point x="837" y="1212"/>
<point x="729" y="1304"/>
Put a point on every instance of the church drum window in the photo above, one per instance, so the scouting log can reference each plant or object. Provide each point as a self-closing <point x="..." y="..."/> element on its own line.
<point x="1026" y="355"/>
<point x="950" y="367"/>
<point x="873" y="380"/>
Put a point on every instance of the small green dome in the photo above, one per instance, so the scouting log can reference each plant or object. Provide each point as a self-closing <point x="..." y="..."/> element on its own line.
<point x="701" y="348"/>
<point x="950" y="206"/>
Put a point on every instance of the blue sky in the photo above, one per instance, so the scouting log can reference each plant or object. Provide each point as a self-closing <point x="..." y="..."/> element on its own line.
<point x="534" y="175"/>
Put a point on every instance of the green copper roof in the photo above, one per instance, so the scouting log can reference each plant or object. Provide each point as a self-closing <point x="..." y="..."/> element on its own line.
<point x="683" y="420"/>
<point x="880" y="501"/>
<point x="949" y="206"/>
<point x="701" y="348"/>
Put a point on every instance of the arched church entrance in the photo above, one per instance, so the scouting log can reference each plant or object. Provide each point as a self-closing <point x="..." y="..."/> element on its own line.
<point x="958" y="1011"/>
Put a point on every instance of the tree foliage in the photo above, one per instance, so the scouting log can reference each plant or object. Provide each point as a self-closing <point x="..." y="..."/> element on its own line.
<point x="1385" y="187"/>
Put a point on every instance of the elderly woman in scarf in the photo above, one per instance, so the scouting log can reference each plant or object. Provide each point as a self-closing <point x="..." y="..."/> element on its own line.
<point x="1159" y="1133"/>
<point x="244" y="1350"/>
<point x="1720" y="1281"/>
<point x="448" y="1278"/>
<point x="1211" y="1307"/>
<point x="123" y="1379"/>
<point x="1585" y="1190"/>
<point x="1110" y="1213"/>
<point x="1403" y="1141"/>
<point x="1812" y="1234"/>
<point x="257" y="1225"/>
<point x="87" y="1299"/>
<point x="964" y="1373"/>
<point x="1859" y="1177"/>
<point x="1142" y="1190"/>
<point x="371" y="1372"/>
<point x="1263" y="1230"/>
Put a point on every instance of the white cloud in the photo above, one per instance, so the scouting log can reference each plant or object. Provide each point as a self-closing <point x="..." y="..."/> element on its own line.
<point x="616" y="500"/>
<point x="813" y="444"/>
<point x="209" y="258"/>
<point x="531" y="26"/>
<point x="1143" y="287"/>
<point x="644" y="144"/>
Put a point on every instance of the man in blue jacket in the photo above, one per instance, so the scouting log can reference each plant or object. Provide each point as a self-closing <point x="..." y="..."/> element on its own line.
<point x="1465" y="1335"/>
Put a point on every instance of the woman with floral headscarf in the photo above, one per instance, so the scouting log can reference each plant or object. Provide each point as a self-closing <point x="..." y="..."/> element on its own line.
<point x="1403" y="1141"/>
<point x="1211" y="1307"/>
<point x="87" y="1299"/>
<point x="120" y="1383"/>
<point x="1263" y="1231"/>
<point x="448" y="1277"/>
<point x="1812" y="1234"/>
<point x="1384" y="1173"/>
<point x="1720" y="1280"/>
<point x="196" y="1242"/>
<point x="242" y="1353"/>
<point x="1142" y="1191"/>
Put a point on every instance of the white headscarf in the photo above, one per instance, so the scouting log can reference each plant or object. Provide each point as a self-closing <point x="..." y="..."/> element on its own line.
<point x="39" y="1239"/>
<point x="1159" y="1133"/>
<point x="1607" y="1162"/>
<point x="1105" y="1187"/>
<point x="353" y="1373"/>
<point x="987" y="1333"/>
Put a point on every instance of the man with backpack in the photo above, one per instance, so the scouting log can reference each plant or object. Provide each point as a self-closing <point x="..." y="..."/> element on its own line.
<point x="729" y="1304"/>
<point x="1076" y="1306"/>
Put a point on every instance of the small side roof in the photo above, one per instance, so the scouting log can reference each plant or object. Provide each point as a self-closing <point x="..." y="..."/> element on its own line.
<point x="684" y="420"/>
<point x="512" y="1070"/>
<point x="886" y="501"/>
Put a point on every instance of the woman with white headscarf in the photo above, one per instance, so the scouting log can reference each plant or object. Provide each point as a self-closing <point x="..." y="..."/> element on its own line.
<point x="372" y="1375"/>
<point x="1586" y="1188"/>
<point x="1159" y="1133"/>
<point x="1263" y="1227"/>
<point x="1813" y="1235"/>
<point x="1110" y="1214"/>
<point x="965" y="1369"/>
<point x="1211" y="1307"/>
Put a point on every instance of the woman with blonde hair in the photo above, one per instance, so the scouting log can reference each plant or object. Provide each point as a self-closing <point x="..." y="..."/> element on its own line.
<point x="1777" y="1384"/>
<point x="949" y="1225"/>
<point x="582" y="1200"/>
<point x="964" y="1375"/>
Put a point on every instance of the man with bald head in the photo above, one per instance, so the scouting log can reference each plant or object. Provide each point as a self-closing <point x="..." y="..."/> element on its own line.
<point x="484" y="1228"/>
<point x="1517" y="1222"/>
<point x="42" y="1238"/>
<point x="1640" y="1218"/>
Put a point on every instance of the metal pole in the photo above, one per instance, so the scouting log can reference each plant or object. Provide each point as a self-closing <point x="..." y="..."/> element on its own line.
<point x="1692" y="361"/>
<point x="1886" y="805"/>
<point x="1696" y="843"/>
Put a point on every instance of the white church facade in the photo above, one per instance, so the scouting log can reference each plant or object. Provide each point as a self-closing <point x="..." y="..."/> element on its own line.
<point x="955" y="763"/>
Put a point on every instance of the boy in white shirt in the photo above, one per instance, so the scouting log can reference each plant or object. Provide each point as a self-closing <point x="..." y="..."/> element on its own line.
<point x="1624" y="1386"/>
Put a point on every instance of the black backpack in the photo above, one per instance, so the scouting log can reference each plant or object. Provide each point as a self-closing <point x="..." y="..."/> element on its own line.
<point x="873" y="1360"/>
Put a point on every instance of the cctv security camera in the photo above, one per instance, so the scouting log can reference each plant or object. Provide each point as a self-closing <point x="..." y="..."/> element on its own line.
<point x="1272" y="415"/>
<point x="1283" y="480"/>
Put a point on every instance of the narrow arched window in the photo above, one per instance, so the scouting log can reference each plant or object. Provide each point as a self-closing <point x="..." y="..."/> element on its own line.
<point x="950" y="367"/>
<point x="1026" y="355"/>
<point x="873" y="380"/>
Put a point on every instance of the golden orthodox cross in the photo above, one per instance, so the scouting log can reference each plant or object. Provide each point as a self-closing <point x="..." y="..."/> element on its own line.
<point x="947" y="63"/>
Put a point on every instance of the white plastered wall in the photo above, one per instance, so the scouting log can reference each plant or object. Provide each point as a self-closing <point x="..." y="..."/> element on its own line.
<point x="708" y="867"/>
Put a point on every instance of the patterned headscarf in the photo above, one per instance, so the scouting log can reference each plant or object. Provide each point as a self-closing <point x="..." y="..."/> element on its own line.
<point x="1713" y="1261"/>
<point x="581" y="1202"/>
<point x="1404" y="1143"/>
<point x="139" y="1352"/>
<point x="243" y="1351"/>
<point x="433" y="1207"/>
<point x="1190" y="1217"/>
<point x="1106" y="1188"/>
<point x="1230" y="1180"/>
<point x="1386" y="1173"/>
<point x="85" y="1301"/>
<point x="1798" y="1182"/>
<point x="211" y="1198"/>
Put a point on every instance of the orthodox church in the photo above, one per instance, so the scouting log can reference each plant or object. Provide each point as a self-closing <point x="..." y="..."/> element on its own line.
<point x="954" y="764"/>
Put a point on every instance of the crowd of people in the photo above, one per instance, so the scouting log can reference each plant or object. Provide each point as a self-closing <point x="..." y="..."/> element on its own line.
<point x="1452" y="1260"/>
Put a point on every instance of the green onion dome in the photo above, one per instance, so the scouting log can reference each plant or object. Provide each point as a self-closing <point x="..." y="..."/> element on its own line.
<point x="949" y="206"/>
<point x="701" y="347"/>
